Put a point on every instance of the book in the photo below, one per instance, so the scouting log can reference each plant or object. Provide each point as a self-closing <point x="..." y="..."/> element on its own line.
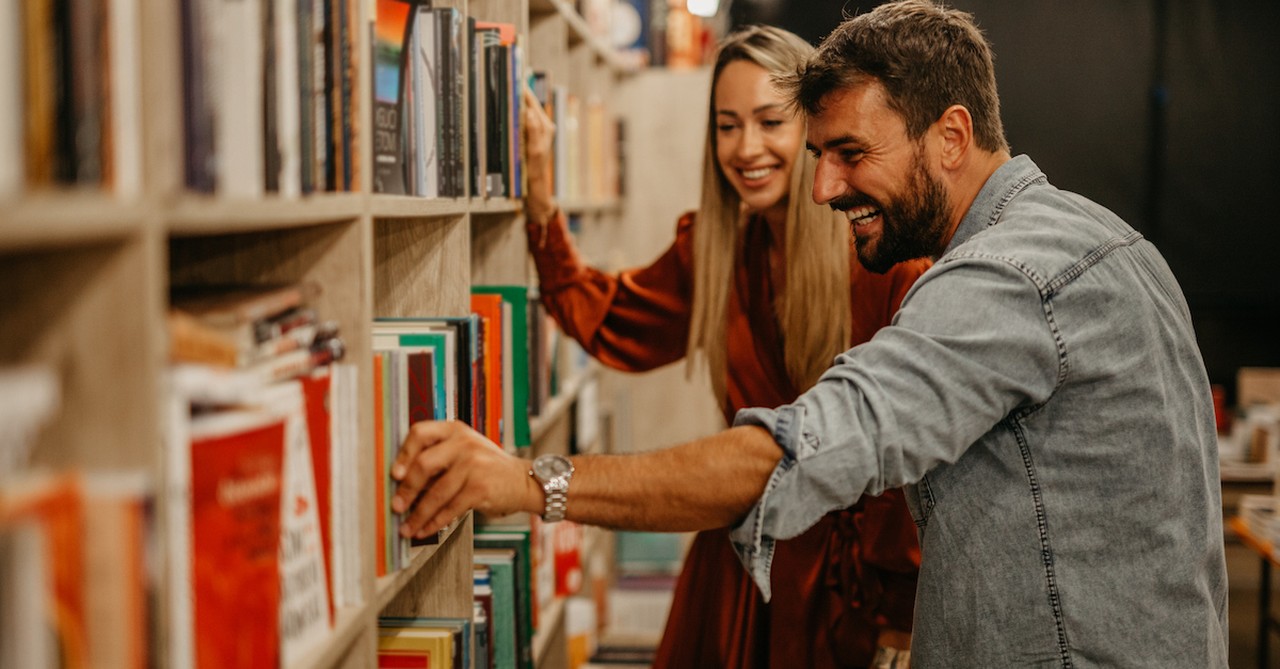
<point x="391" y="34"/>
<point x="488" y="309"/>
<point x="304" y="612"/>
<point x="287" y="98"/>
<point x="126" y="98"/>
<point x="30" y="395"/>
<point x="458" y="631"/>
<point x="517" y="540"/>
<point x="117" y="542"/>
<point x="242" y="312"/>
<point x="11" y="100"/>
<point x="482" y="615"/>
<point x="51" y="505"/>
<point x="503" y="621"/>
<point x="237" y="484"/>
<point x="345" y="473"/>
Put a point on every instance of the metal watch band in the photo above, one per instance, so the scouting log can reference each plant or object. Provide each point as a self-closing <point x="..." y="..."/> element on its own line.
<point x="557" y="501"/>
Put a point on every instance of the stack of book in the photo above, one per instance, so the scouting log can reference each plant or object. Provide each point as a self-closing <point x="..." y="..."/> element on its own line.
<point x="263" y="458"/>
<point x="424" y="643"/>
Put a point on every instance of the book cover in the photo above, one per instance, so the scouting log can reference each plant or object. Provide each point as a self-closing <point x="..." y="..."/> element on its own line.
<point x="381" y="511"/>
<point x="390" y="35"/>
<point x="237" y="482"/>
<point x="304" y="588"/>
<point x="319" y="398"/>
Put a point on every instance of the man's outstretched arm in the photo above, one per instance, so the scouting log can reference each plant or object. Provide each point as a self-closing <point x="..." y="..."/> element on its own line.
<point x="707" y="483"/>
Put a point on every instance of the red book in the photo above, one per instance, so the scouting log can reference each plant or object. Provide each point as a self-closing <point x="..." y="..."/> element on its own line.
<point x="237" y="463"/>
<point x="315" y="390"/>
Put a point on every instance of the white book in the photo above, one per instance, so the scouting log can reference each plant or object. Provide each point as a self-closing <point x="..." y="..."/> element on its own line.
<point x="181" y="591"/>
<point x="288" y="105"/>
<point x="344" y="441"/>
<point x="30" y="395"/>
<point x="11" y="142"/>
<point x="304" y="590"/>
<point x="237" y="70"/>
<point x="126" y="97"/>
<point x="426" y="73"/>
<point x="24" y="585"/>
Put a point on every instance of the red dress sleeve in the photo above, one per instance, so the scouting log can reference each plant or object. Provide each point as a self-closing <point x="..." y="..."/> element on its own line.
<point x="635" y="320"/>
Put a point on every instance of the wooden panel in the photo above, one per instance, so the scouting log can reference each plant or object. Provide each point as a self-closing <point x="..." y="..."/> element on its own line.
<point x="421" y="268"/>
<point x="91" y="313"/>
<point x="499" y="251"/>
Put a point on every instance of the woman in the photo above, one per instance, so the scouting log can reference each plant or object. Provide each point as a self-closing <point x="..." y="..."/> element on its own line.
<point x="764" y="286"/>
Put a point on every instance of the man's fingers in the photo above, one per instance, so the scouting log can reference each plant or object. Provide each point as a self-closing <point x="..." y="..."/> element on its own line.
<point x="421" y="458"/>
<point x="437" y="497"/>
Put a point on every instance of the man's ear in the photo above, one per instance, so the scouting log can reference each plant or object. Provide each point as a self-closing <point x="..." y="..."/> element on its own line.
<point x="955" y="130"/>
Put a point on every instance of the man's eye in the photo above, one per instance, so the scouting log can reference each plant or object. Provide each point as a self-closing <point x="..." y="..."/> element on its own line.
<point x="771" y="123"/>
<point x="851" y="156"/>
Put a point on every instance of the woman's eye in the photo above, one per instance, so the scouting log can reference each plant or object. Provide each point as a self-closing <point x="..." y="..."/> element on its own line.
<point x="725" y="127"/>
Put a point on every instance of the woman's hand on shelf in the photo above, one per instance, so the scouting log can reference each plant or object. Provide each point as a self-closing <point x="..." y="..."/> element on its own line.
<point x="539" y="132"/>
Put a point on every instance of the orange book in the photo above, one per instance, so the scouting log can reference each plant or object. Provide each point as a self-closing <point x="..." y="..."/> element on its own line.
<point x="489" y="308"/>
<point x="55" y="505"/>
<point x="237" y="469"/>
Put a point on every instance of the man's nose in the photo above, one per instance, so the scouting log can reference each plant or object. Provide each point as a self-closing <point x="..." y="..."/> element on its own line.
<point x="827" y="185"/>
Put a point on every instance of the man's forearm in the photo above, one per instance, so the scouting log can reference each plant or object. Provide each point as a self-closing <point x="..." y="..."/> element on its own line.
<point x="704" y="484"/>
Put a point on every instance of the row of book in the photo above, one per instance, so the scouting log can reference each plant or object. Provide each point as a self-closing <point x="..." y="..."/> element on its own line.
<point x="70" y="113"/>
<point x="269" y="96"/>
<point x="263" y="454"/>
<point x="588" y="154"/>
<point x="661" y="33"/>
<point x="426" y="61"/>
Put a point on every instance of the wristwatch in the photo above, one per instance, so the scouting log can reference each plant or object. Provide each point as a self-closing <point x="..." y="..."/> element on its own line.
<point x="553" y="472"/>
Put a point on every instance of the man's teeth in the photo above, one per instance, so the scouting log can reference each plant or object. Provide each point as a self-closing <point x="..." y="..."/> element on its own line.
<point x="757" y="174"/>
<point x="862" y="214"/>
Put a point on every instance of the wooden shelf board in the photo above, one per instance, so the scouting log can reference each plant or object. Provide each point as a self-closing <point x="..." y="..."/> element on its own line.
<point x="347" y="625"/>
<point x="195" y="215"/>
<point x="405" y="206"/>
<point x="495" y="206"/>
<point x="390" y="585"/>
<point x="60" y="218"/>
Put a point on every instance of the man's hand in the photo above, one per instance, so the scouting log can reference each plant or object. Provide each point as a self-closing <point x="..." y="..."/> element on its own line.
<point x="448" y="468"/>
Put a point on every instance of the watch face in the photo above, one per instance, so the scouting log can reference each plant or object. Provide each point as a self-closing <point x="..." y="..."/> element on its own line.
<point x="548" y="467"/>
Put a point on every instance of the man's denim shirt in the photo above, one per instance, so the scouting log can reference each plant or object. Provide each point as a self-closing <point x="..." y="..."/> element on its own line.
<point x="1042" y="398"/>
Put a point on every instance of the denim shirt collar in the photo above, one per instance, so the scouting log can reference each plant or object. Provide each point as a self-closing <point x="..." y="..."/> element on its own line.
<point x="1002" y="186"/>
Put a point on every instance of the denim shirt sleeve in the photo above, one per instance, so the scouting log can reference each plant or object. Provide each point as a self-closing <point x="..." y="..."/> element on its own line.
<point x="973" y="342"/>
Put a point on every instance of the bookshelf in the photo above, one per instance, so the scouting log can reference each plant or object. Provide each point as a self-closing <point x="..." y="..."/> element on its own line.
<point x="88" y="270"/>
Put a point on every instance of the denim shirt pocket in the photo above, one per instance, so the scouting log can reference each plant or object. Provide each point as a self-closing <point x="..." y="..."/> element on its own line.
<point x="920" y="501"/>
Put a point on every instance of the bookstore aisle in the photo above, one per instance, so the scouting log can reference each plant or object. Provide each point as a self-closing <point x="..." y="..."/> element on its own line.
<point x="244" y="246"/>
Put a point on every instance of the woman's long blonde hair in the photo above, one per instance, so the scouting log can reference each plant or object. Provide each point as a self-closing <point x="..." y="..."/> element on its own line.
<point x="813" y="307"/>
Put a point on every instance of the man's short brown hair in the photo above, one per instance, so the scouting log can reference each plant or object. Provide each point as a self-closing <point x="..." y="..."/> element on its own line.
<point x="927" y="56"/>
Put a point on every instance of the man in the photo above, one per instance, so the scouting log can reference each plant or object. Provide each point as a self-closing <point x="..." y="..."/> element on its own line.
<point x="1041" y="393"/>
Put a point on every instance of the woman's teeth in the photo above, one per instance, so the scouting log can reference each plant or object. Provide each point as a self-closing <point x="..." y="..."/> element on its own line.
<point x="758" y="173"/>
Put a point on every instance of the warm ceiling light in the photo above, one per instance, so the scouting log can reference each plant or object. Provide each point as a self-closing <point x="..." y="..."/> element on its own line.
<point x="704" y="7"/>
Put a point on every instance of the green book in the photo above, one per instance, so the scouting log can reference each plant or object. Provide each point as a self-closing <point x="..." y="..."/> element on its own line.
<point x="517" y="539"/>
<point x="504" y="637"/>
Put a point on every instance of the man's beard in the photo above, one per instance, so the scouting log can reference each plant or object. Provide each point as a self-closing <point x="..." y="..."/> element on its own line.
<point x="912" y="225"/>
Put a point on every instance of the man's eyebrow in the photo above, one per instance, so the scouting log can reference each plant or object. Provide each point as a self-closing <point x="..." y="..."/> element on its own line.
<point x="835" y="142"/>
<point x="841" y="141"/>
